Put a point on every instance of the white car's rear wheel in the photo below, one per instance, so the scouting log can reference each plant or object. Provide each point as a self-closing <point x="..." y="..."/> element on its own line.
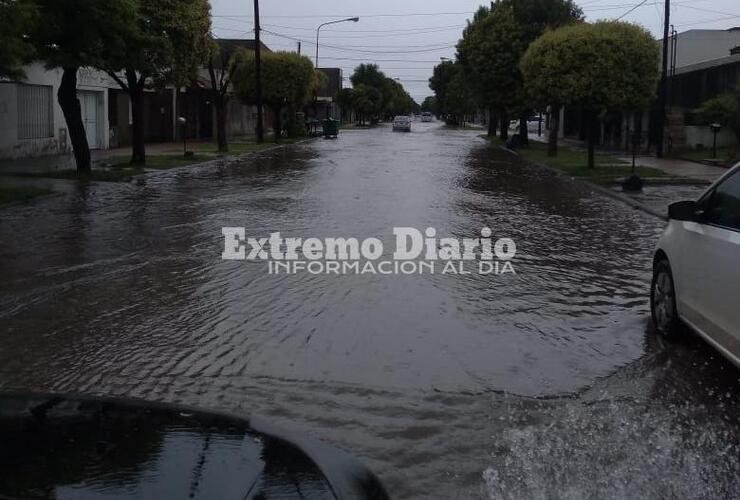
<point x="663" y="301"/>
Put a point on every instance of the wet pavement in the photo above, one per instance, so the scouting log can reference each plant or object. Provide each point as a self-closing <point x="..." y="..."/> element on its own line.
<point x="543" y="384"/>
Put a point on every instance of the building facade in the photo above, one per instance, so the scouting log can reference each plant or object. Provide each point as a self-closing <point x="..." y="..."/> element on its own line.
<point x="32" y="122"/>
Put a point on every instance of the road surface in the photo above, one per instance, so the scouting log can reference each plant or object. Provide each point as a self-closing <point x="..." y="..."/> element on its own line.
<point x="544" y="383"/>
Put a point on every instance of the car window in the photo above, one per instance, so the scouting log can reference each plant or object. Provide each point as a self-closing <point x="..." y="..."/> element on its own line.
<point x="723" y="207"/>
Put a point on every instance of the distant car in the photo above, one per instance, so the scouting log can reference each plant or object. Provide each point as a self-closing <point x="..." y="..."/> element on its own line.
<point x="402" y="123"/>
<point x="426" y="116"/>
<point x="696" y="268"/>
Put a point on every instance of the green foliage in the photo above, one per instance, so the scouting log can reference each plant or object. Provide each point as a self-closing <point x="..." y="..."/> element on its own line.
<point x="599" y="66"/>
<point x="17" y="19"/>
<point x="368" y="74"/>
<point x="76" y="33"/>
<point x="723" y="109"/>
<point x="494" y="42"/>
<point x="366" y="100"/>
<point x="288" y="79"/>
<point x="165" y="41"/>
<point x="430" y="104"/>
<point x="394" y="100"/>
<point x="454" y="97"/>
<point x="489" y="53"/>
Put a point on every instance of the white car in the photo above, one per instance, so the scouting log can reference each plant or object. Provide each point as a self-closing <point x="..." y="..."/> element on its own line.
<point x="426" y="116"/>
<point x="402" y="122"/>
<point x="696" y="268"/>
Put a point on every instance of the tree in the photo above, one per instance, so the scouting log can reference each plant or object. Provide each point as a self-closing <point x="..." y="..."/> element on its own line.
<point x="723" y="109"/>
<point x="394" y="99"/>
<point x="17" y="19"/>
<point x="221" y="64"/>
<point x="288" y="81"/>
<point x="597" y="67"/>
<point x="489" y="53"/>
<point x="492" y="46"/>
<point x="366" y="101"/>
<point x="165" y="41"/>
<point x="72" y="36"/>
<point x="453" y="95"/>
<point x="429" y="104"/>
<point x="345" y="101"/>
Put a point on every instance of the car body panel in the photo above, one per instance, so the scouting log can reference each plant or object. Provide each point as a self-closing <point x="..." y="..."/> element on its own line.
<point x="402" y="123"/>
<point x="705" y="263"/>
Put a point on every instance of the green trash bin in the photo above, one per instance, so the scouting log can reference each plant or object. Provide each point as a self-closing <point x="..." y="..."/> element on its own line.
<point x="331" y="128"/>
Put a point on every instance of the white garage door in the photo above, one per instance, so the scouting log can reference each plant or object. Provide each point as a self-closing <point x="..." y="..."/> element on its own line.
<point x="89" y="104"/>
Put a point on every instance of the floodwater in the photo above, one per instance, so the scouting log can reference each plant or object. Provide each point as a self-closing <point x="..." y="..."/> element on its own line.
<point x="546" y="383"/>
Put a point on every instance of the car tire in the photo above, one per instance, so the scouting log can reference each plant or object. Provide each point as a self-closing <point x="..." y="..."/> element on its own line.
<point x="663" y="301"/>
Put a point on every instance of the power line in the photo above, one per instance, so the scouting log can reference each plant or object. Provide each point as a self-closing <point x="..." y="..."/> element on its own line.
<point x="703" y="21"/>
<point x="683" y="6"/>
<point x="334" y="14"/>
<point x="401" y="30"/>
<point x="632" y="9"/>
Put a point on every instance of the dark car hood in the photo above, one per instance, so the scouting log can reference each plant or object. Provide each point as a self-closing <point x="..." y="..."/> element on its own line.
<point x="64" y="446"/>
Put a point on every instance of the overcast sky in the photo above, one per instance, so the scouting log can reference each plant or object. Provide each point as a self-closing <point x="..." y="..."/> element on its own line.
<point x="407" y="38"/>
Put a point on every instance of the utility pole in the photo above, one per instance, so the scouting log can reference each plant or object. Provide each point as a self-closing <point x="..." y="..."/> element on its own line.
<point x="258" y="71"/>
<point x="662" y="91"/>
<point x="299" y="47"/>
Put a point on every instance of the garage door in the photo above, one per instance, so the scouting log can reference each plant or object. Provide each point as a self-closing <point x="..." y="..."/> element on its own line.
<point x="89" y="105"/>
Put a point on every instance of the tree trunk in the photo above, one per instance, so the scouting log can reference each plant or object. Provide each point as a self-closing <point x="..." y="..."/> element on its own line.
<point x="491" y="123"/>
<point x="221" y="117"/>
<point x="523" y="132"/>
<point x="552" y="139"/>
<point x="138" y="147"/>
<point x="278" y="126"/>
<point x="591" y="137"/>
<point x="67" y="97"/>
<point x="504" y="127"/>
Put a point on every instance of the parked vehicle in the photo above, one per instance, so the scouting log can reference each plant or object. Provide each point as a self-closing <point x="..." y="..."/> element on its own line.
<point x="696" y="268"/>
<point x="426" y="116"/>
<point x="402" y="123"/>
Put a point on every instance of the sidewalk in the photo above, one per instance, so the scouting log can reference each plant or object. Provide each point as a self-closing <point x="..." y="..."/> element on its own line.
<point x="679" y="168"/>
<point x="66" y="161"/>
<point x="672" y="166"/>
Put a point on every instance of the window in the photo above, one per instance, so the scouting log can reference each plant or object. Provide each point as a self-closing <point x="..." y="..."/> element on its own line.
<point x="35" y="115"/>
<point x="723" y="207"/>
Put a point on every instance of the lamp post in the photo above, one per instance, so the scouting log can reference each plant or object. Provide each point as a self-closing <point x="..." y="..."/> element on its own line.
<point x="183" y="122"/>
<point x="715" y="130"/>
<point x="353" y="19"/>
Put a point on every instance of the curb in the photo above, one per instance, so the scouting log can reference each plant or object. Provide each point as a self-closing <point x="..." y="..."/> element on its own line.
<point x="30" y="201"/>
<point x="225" y="160"/>
<point x="601" y="189"/>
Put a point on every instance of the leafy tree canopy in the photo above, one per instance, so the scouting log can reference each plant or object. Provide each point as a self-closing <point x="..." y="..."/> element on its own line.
<point x="723" y="109"/>
<point x="288" y="79"/>
<point x="165" y="41"/>
<point x="597" y="66"/>
<point x="17" y="19"/>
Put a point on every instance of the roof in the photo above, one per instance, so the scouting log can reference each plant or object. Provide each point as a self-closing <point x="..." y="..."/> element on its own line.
<point x="730" y="59"/>
<point x="699" y="45"/>
<point x="229" y="45"/>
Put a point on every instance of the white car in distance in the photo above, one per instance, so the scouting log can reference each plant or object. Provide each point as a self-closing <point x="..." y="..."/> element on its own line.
<point x="696" y="268"/>
<point x="402" y="123"/>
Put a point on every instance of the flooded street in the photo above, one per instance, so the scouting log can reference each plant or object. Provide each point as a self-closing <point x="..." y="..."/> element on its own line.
<point x="547" y="383"/>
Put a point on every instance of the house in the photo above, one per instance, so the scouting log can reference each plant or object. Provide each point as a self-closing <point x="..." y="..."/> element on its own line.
<point x="32" y="123"/>
<point x="326" y="96"/>
<point x="701" y="65"/>
<point x="707" y="63"/>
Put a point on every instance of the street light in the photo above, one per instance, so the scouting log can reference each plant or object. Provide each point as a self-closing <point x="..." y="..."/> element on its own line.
<point x="353" y="19"/>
